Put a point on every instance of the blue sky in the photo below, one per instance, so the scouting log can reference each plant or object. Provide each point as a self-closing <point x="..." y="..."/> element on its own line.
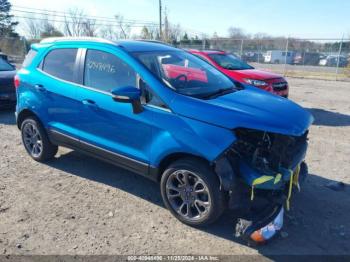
<point x="297" y="18"/>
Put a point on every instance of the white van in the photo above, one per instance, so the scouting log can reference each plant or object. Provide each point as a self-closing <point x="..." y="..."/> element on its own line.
<point x="279" y="57"/>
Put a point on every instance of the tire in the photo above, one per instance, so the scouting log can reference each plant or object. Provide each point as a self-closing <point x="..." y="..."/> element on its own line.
<point x="34" y="135"/>
<point x="304" y="171"/>
<point x="205" y="195"/>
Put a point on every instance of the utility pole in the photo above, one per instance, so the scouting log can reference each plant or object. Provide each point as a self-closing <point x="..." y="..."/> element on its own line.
<point x="160" y="20"/>
<point x="285" y="58"/>
<point x="338" y="58"/>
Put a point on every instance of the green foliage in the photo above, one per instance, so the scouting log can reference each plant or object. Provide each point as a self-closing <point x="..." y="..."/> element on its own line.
<point x="7" y="24"/>
<point x="51" y="32"/>
<point x="185" y="39"/>
<point x="145" y="34"/>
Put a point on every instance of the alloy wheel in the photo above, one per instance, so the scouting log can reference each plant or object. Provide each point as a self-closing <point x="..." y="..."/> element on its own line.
<point x="32" y="139"/>
<point x="188" y="195"/>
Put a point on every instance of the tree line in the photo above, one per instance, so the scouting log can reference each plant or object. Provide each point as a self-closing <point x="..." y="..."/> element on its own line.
<point x="75" y="22"/>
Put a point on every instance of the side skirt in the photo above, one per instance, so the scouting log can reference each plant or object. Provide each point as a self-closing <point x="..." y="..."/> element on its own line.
<point x="116" y="159"/>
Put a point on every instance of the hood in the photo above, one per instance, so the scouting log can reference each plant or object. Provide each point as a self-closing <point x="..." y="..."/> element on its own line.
<point x="253" y="74"/>
<point x="247" y="108"/>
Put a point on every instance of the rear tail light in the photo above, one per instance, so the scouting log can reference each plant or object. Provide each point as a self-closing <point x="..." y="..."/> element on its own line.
<point x="16" y="81"/>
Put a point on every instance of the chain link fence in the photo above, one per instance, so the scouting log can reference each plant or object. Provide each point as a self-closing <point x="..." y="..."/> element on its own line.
<point x="327" y="59"/>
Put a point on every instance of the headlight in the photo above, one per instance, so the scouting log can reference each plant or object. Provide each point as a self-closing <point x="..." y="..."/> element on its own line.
<point x="256" y="82"/>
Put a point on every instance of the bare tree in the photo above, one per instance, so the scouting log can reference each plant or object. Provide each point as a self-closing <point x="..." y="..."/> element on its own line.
<point x="109" y="32"/>
<point x="175" y="32"/>
<point x="77" y="24"/>
<point x="89" y="27"/>
<point x="145" y="34"/>
<point x="32" y="27"/>
<point x="261" y="35"/>
<point x="172" y="32"/>
<point x="237" y="33"/>
<point x="73" y="22"/>
<point x="124" y="27"/>
<point x="48" y="28"/>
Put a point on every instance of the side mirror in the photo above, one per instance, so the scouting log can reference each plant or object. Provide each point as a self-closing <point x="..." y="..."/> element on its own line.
<point x="128" y="94"/>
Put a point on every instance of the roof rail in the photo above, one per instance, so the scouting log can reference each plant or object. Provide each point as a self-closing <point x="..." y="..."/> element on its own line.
<point x="191" y="49"/>
<point x="64" y="39"/>
<point x="215" y="50"/>
<point x="154" y="41"/>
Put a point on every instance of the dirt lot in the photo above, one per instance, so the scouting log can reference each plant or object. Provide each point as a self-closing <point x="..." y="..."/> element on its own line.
<point x="79" y="205"/>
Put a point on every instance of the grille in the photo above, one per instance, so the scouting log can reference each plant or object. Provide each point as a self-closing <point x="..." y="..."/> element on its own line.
<point x="280" y="86"/>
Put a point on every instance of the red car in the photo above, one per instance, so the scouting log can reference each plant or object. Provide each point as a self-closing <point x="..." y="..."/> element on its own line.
<point x="240" y="71"/>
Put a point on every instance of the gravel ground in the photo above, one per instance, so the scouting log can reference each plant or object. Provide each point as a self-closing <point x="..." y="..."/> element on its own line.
<point x="307" y="71"/>
<point x="79" y="205"/>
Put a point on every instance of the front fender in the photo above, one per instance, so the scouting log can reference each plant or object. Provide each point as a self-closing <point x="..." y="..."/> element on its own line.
<point x="179" y="134"/>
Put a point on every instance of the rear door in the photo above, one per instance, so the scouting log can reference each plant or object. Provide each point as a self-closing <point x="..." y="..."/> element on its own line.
<point x="57" y="85"/>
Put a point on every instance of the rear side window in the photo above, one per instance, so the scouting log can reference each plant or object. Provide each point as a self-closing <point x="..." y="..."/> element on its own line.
<point x="105" y="71"/>
<point x="60" y="63"/>
<point x="29" y="58"/>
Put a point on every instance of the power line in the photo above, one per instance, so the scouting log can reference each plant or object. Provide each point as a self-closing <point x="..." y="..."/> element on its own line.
<point x="54" y="12"/>
<point x="71" y="22"/>
<point x="79" y="17"/>
<point x="102" y="20"/>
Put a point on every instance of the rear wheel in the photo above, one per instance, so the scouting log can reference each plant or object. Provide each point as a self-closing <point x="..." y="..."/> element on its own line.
<point x="191" y="191"/>
<point x="35" y="140"/>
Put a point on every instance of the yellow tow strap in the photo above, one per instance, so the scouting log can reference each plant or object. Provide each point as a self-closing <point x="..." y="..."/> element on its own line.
<point x="289" y="190"/>
<point x="277" y="178"/>
<point x="294" y="180"/>
<point x="296" y="177"/>
<point x="258" y="181"/>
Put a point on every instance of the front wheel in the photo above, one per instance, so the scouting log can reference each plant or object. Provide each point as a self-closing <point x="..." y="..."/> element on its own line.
<point x="191" y="191"/>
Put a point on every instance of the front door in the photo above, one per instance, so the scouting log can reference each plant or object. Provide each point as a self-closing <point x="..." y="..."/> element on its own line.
<point x="110" y="129"/>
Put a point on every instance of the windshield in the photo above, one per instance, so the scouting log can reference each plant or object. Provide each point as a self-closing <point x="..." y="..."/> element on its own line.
<point x="229" y="62"/>
<point x="185" y="73"/>
<point x="4" y="66"/>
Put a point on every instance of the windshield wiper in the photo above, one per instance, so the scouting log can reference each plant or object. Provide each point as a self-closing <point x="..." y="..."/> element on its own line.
<point x="219" y="92"/>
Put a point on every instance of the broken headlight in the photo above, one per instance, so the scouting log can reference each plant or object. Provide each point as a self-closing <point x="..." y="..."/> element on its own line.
<point x="267" y="151"/>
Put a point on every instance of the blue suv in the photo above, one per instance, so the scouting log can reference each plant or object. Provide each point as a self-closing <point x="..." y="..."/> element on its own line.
<point x="163" y="113"/>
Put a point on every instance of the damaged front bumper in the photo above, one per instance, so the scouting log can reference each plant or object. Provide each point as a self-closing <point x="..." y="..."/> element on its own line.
<point x="263" y="229"/>
<point x="259" y="188"/>
<point x="261" y="211"/>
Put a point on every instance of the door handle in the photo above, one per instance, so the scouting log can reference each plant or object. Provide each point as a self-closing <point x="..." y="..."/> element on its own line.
<point x="40" y="88"/>
<point x="89" y="102"/>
